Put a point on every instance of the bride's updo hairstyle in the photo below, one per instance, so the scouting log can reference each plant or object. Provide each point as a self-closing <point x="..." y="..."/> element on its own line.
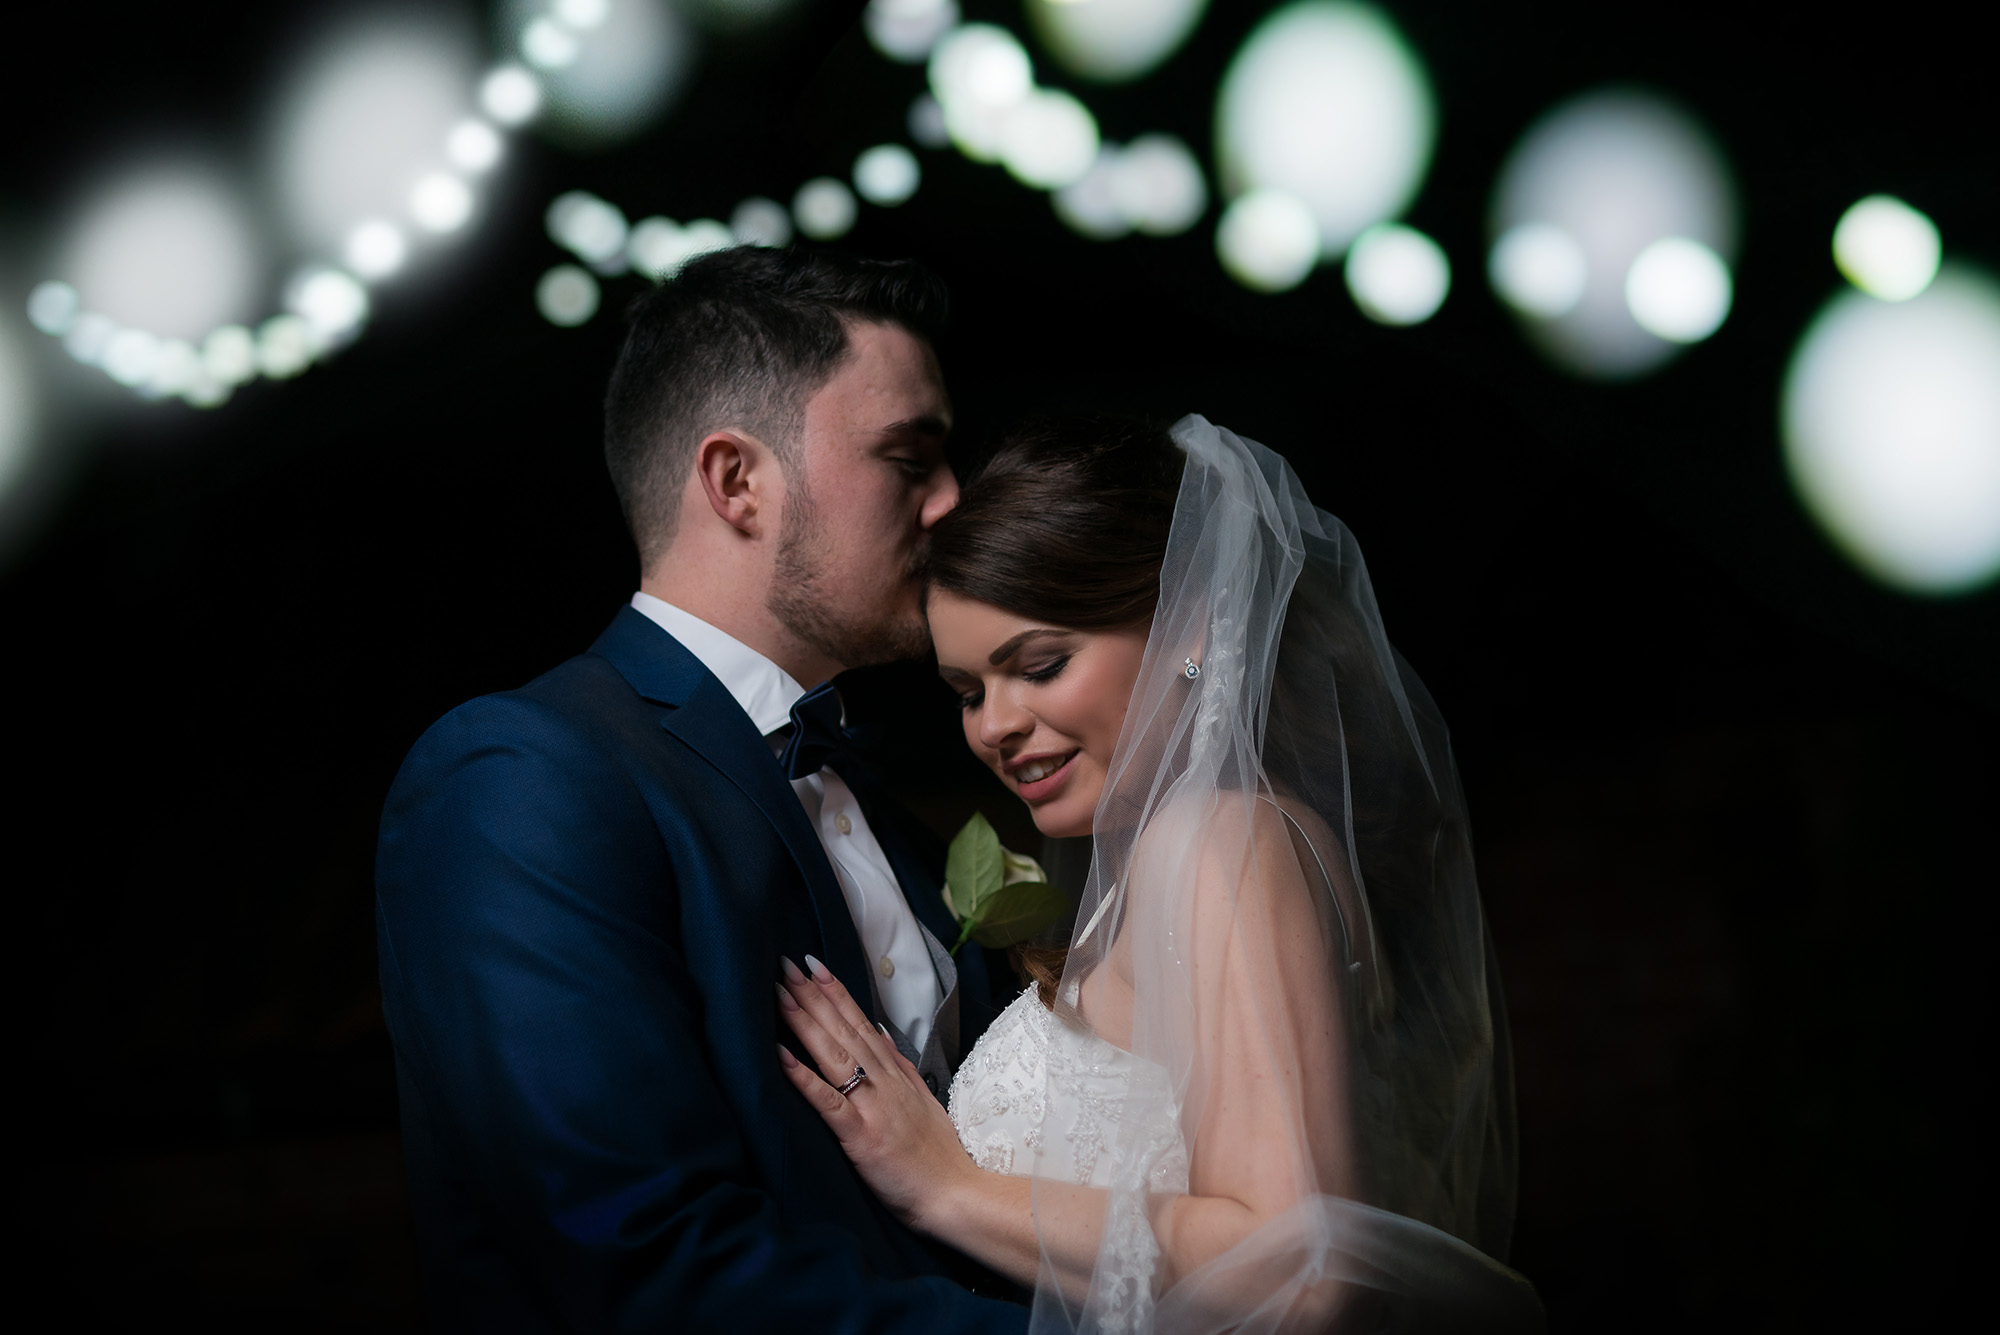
<point x="1066" y="522"/>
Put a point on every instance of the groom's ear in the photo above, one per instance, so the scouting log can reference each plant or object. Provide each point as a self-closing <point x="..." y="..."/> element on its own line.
<point x="737" y="474"/>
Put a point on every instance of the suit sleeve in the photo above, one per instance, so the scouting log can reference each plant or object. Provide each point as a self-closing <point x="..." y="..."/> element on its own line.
<point x="550" y="1040"/>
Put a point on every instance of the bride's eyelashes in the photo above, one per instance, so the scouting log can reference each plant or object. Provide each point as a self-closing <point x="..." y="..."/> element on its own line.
<point x="1046" y="673"/>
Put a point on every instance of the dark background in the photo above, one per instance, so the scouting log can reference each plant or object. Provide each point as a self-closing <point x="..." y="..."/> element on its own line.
<point x="1732" y="802"/>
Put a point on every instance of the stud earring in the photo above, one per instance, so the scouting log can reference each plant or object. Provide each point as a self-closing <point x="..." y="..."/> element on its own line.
<point x="1192" y="670"/>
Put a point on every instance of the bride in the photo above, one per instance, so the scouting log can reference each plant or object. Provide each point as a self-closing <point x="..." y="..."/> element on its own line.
<point x="1266" y="1087"/>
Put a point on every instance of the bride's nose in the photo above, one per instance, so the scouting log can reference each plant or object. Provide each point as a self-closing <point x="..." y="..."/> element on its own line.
<point x="1001" y="717"/>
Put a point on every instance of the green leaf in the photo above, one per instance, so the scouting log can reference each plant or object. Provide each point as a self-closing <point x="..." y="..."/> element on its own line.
<point x="1018" y="912"/>
<point x="973" y="869"/>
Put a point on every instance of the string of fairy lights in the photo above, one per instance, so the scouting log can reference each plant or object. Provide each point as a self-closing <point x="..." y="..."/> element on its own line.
<point x="1614" y="222"/>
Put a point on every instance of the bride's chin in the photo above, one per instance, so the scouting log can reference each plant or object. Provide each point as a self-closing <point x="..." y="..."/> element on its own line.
<point x="1055" y="823"/>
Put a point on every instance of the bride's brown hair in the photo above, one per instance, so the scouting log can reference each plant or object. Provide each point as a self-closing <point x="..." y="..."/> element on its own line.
<point x="1066" y="522"/>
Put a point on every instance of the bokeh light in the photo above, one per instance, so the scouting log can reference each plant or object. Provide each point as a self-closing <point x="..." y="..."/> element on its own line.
<point x="1113" y="41"/>
<point x="592" y="229"/>
<point x="1268" y="240"/>
<point x="1538" y="269"/>
<point x="567" y="296"/>
<point x="1886" y="248"/>
<point x="1397" y="275"/>
<point x="510" y="95"/>
<point x="284" y="346"/>
<point x="979" y="74"/>
<point x="907" y="30"/>
<point x="758" y="221"/>
<point x="370" y="117"/>
<point x="1678" y="289"/>
<point x="441" y="202"/>
<point x="605" y="72"/>
<point x="1602" y="179"/>
<point x="17" y="417"/>
<point x="473" y="146"/>
<point x="658" y="247"/>
<point x="823" y="209"/>
<point x="925" y="122"/>
<point x="1048" y="139"/>
<point x="887" y="174"/>
<point x="1892" y="431"/>
<point x="53" y="306"/>
<point x="375" y="250"/>
<point x="1326" y="103"/>
<point x="333" y="305"/>
<point x="166" y="248"/>
<point x="1152" y="185"/>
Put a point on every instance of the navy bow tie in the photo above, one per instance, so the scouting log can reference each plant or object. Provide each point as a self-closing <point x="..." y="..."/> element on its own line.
<point x="817" y="738"/>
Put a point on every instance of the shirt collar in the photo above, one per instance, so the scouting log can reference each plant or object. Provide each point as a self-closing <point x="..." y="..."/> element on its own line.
<point x="764" y="690"/>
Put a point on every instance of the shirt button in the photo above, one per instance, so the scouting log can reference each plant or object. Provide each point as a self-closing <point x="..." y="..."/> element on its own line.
<point x="843" y="824"/>
<point x="886" y="966"/>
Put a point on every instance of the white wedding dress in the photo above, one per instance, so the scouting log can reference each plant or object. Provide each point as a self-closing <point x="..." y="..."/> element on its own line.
<point x="1039" y="1097"/>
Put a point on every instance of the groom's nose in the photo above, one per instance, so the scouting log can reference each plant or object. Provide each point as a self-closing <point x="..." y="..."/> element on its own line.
<point x="941" y="498"/>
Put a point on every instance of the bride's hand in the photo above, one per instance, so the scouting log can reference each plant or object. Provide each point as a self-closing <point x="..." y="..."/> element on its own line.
<point x="900" y="1140"/>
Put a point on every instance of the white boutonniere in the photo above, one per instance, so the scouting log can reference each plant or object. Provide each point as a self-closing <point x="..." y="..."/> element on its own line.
<point x="999" y="898"/>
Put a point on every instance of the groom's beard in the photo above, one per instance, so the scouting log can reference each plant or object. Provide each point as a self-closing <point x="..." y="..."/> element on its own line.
<point x="801" y="602"/>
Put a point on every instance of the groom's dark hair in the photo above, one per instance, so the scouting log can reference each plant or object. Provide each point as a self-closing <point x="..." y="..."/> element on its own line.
<point x="740" y="338"/>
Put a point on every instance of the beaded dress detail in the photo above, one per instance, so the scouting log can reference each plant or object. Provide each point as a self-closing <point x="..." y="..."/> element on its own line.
<point x="1038" y="1097"/>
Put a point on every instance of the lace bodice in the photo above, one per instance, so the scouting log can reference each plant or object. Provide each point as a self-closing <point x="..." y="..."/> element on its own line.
<point x="1040" y="1098"/>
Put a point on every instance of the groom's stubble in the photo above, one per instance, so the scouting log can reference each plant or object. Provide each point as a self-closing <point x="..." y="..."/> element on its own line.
<point x="802" y="603"/>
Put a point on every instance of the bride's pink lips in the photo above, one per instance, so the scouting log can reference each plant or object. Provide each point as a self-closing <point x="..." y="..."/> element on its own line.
<point x="1045" y="787"/>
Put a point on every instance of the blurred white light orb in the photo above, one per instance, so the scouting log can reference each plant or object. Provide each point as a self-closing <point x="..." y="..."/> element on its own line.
<point x="1090" y="205"/>
<point x="1327" y="103"/>
<point x="906" y="30"/>
<point x="229" y="355"/>
<point x="1538" y="269"/>
<point x="978" y="74"/>
<point x="130" y="355"/>
<point x="375" y="249"/>
<point x="17" y="414"/>
<point x="1886" y="248"/>
<point x="473" y="146"/>
<point x="546" y="45"/>
<point x="592" y="229"/>
<point x="567" y="296"/>
<point x="823" y="208"/>
<point x="925" y="122"/>
<point x="167" y="249"/>
<point x="175" y="369"/>
<point x="1397" y="275"/>
<point x="620" y="74"/>
<point x="441" y="202"/>
<point x="53" y="307"/>
<point x="1614" y="172"/>
<point x="1113" y="40"/>
<point x="89" y="335"/>
<point x="1892" y="431"/>
<point x="1678" y="289"/>
<point x="1268" y="240"/>
<point x="582" y="15"/>
<point x="333" y="305"/>
<point x="1048" y="139"/>
<point x="658" y="247"/>
<point x="284" y="346"/>
<point x="510" y="95"/>
<point x="371" y="116"/>
<point x="758" y="221"/>
<point x="1158" y="185"/>
<point x="887" y="174"/>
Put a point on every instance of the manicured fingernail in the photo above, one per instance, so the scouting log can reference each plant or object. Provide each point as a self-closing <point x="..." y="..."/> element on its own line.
<point x="785" y="998"/>
<point x="884" y="1031"/>
<point x="786" y="1059"/>
<point x="819" y="971"/>
<point x="791" y="969"/>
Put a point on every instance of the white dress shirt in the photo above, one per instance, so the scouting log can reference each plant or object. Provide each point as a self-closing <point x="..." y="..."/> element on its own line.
<point x="891" y="938"/>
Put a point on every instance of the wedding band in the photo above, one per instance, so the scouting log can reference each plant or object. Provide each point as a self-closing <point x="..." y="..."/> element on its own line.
<point x="859" y="1076"/>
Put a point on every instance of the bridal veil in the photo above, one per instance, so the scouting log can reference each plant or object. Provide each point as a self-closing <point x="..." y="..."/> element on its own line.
<point x="1282" y="884"/>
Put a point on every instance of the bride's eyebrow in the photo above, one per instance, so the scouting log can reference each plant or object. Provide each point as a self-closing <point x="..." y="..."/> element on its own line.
<point x="1009" y="647"/>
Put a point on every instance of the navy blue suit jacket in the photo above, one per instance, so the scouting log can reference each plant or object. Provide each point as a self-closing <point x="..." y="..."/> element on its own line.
<point x="583" y="889"/>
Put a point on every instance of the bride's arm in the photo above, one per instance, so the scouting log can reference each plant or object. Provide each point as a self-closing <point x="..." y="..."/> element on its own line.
<point x="1268" y="1060"/>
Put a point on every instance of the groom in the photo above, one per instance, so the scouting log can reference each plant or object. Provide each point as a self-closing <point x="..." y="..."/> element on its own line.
<point x="584" y="886"/>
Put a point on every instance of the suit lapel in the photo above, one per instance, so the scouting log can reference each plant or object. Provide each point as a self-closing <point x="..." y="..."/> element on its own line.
<point x="706" y="718"/>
